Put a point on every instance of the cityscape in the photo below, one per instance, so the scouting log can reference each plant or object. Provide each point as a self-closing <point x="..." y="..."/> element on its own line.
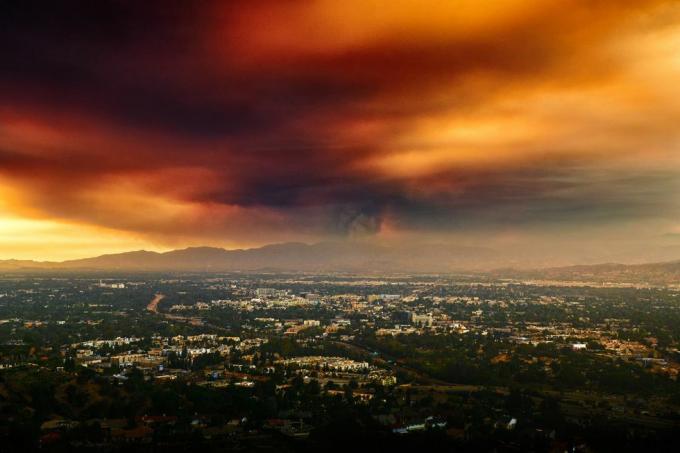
<point x="339" y="225"/>
<point x="301" y="362"/>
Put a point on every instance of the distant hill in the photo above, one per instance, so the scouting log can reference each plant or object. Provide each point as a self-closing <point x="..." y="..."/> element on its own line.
<point x="10" y="265"/>
<point x="325" y="256"/>
<point x="356" y="257"/>
<point x="655" y="273"/>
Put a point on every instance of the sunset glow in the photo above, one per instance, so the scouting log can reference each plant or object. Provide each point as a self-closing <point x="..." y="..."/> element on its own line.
<point x="157" y="125"/>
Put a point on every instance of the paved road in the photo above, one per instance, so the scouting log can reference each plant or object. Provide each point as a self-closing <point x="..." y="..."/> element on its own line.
<point x="195" y="320"/>
<point x="153" y="305"/>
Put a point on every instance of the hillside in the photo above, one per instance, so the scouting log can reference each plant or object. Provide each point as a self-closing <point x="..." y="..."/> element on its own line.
<point x="354" y="257"/>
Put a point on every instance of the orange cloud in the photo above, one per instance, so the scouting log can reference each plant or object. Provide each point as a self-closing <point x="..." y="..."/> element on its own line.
<point x="263" y="121"/>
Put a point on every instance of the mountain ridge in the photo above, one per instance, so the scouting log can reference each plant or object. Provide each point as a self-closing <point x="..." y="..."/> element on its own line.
<point x="322" y="256"/>
<point x="350" y="257"/>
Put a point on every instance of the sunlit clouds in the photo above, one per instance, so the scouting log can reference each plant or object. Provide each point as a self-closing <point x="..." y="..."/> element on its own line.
<point x="511" y="124"/>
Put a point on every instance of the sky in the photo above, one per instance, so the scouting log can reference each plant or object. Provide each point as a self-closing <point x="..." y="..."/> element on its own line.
<point x="539" y="127"/>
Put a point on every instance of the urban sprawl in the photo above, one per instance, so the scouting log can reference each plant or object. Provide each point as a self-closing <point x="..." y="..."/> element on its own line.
<point x="297" y="362"/>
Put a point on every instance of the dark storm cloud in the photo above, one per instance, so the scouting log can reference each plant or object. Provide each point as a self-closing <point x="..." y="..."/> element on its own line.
<point x="140" y="64"/>
<point x="254" y="107"/>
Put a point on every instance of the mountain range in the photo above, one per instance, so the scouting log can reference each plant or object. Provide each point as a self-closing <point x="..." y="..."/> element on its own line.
<point x="325" y="256"/>
<point x="652" y="273"/>
<point x="353" y="257"/>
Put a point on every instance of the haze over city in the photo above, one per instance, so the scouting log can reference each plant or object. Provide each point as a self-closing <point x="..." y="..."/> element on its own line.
<point x="543" y="130"/>
<point x="306" y="226"/>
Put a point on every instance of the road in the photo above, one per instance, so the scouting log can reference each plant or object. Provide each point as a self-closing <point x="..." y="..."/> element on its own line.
<point x="153" y="308"/>
<point x="153" y="305"/>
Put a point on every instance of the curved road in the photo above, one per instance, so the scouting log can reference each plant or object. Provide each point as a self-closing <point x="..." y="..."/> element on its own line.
<point x="153" y="308"/>
<point x="153" y="305"/>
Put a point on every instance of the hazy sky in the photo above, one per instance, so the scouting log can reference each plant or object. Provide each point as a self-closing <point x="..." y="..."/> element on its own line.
<point x="549" y="125"/>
